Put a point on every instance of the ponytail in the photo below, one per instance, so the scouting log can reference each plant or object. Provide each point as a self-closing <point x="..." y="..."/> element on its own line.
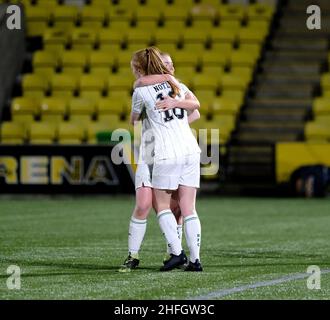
<point x="150" y="61"/>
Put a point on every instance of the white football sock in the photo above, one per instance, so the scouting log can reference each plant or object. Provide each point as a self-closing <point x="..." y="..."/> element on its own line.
<point x="168" y="226"/>
<point x="137" y="229"/>
<point x="179" y="231"/>
<point x="192" y="228"/>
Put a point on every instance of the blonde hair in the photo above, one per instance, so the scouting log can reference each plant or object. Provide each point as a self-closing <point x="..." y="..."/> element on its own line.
<point x="150" y="61"/>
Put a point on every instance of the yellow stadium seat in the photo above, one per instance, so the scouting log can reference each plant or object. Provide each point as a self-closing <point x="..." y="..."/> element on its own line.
<point x="100" y="4"/>
<point x="185" y="58"/>
<point x="128" y="4"/>
<point x="70" y="133"/>
<point x="214" y="58"/>
<point x="93" y="16"/>
<point x="245" y="73"/>
<point x="194" y="35"/>
<point x="174" y="24"/>
<point x="241" y="58"/>
<point x="197" y="47"/>
<point x="111" y="119"/>
<point x="124" y="58"/>
<point x="202" y="23"/>
<point x="42" y="133"/>
<point x="224" y="49"/>
<point x="323" y="119"/>
<point x="49" y="4"/>
<point x="233" y="82"/>
<point x="81" y="110"/>
<point x="63" y="85"/>
<point x="120" y="82"/>
<point x="173" y="13"/>
<point x="44" y="62"/>
<point x="24" y="109"/>
<point x="224" y="120"/>
<point x="234" y="95"/>
<point x="146" y="17"/>
<point x="108" y="106"/>
<point x="73" y="61"/>
<point x="117" y="95"/>
<point x="53" y="109"/>
<point x="120" y="16"/>
<point x="213" y="71"/>
<point x="254" y="49"/>
<point x="224" y="106"/>
<point x="261" y="25"/>
<point x="247" y="35"/>
<point x="223" y="130"/>
<point x="224" y="35"/>
<point x="83" y="39"/>
<point x="205" y="98"/>
<point x="65" y="17"/>
<point x="91" y="86"/>
<point x="110" y="38"/>
<point x="55" y="39"/>
<point x="156" y="4"/>
<point x="205" y="82"/>
<point x="230" y="24"/>
<point x="12" y="133"/>
<point x="204" y="12"/>
<point x="37" y="19"/>
<point x="93" y="128"/>
<point x="139" y="36"/>
<point x="185" y="74"/>
<point x="232" y="12"/>
<point x="325" y="81"/>
<point x="100" y="60"/>
<point x="162" y="36"/>
<point x="260" y="11"/>
<point x="321" y="106"/>
<point x="168" y="47"/>
<point x="317" y="131"/>
<point x="34" y="85"/>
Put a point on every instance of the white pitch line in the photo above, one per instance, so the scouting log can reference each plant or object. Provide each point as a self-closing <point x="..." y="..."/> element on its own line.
<point x="227" y="292"/>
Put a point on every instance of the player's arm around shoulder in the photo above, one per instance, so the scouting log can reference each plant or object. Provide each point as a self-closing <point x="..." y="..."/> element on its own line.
<point x="189" y="103"/>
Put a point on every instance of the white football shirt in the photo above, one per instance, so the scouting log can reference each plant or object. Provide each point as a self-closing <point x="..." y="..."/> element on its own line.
<point x="172" y="135"/>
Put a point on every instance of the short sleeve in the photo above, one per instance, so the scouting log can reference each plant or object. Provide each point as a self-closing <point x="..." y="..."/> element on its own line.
<point x="184" y="89"/>
<point x="137" y="102"/>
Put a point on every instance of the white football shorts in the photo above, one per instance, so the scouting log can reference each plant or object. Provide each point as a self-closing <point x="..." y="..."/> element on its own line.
<point x="169" y="174"/>
<point x="143" y="175"/>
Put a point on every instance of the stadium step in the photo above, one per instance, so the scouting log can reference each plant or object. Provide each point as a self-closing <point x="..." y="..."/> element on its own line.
<point x="262" y="126"/>
<point x="251" y="172"/>
<point x="245" y="154"/>
<point x="288" y="79"/>
<point x="282" y="93"/>
<point x="300" y="44"/>
<point x="266" y="137"/>
<point x="294" y="68"/>
<point x="275" y="117"/>
<point x="297" y="55"/>
<point x="266" y="90"/>
<point x="281" y="103"/>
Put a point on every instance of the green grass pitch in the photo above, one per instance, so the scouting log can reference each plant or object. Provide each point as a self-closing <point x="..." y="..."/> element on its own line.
<point x="72" y="248"/>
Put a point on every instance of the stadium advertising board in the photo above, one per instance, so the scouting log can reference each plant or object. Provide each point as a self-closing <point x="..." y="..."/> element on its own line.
<point x="62" y="169"/>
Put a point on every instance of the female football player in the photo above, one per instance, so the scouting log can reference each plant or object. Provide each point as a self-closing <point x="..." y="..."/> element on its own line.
<point x="137" y="227"/>
<point x="176" y="155"/>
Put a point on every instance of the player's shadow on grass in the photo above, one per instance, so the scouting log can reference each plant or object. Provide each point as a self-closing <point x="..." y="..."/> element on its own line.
<point x="67" y="265"/>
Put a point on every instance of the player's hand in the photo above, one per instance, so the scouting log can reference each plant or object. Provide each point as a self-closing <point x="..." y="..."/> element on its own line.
<point x="166" y="104"/>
